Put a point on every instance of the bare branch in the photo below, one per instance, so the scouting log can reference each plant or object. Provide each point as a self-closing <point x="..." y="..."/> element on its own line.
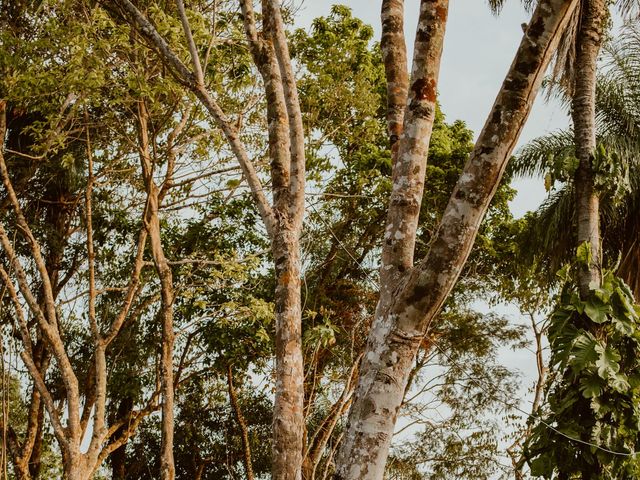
<point x="195" y="57"/>
<point x="184" y="76"/>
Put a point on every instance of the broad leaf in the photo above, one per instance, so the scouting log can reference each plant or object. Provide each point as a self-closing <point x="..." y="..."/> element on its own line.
<point x="583" y="254"/>
<point x="596" y="310"/>
<point x="608" y="363"/>
<point x="591" y="386"/>
<point x="585" y="351"/>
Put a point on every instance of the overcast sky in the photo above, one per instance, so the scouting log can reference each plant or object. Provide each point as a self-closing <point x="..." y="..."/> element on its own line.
<point x="478" y="50"/>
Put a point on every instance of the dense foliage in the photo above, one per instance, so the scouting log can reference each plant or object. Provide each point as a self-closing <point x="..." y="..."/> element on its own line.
<point x="101" y="139"/>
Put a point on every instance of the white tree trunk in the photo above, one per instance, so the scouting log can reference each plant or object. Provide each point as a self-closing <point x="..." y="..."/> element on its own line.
<point x="408" y="304"/>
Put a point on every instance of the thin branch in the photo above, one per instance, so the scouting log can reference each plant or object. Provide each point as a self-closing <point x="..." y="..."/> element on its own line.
<point x="195" y="57"/>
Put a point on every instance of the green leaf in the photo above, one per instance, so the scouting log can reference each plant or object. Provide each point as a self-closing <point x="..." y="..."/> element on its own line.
<point x="564" y="273"/>
<point x="591" y="386"/>
<point x="624" y="326"/>
<point x="619" y="383"/>
<point x="599" y="406"/>
<point x="542" y="466"/>
<point x="625" y="302"/>
<point x="596" y="309"/>
<point x="583" y="254"/>
<point x="608" y="363"/>
<point x="584" y="351"/>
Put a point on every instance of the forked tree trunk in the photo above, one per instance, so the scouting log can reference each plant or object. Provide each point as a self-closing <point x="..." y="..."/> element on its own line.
<point x="283" y="219"/>
<point x="583" y="111"/>
<point x="152" y="225"/>
<point x="408" y="304"/>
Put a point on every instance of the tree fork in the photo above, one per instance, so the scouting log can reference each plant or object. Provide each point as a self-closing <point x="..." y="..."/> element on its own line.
<point x="419" y="293"/>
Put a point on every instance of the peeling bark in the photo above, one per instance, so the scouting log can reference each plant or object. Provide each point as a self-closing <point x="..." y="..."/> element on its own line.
<point x="416" y="295"/>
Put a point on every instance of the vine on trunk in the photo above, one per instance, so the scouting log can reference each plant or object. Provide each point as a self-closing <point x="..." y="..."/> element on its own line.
<point x="589" y="427"/>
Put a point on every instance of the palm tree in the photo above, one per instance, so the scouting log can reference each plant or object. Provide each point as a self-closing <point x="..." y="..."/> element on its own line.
<point x="549" y="237"/>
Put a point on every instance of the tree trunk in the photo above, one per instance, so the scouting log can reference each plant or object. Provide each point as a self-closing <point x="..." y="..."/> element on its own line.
<point x="244" y="430"/>
<point x="283" y="221"/>
<point x="418" y="294"/>
<point x="394" y="53"/>
<point x="288" y="416"/>
<point x="364" y="451"/>
<point x="583" y="110"/>
<point x="167" y="466"/>
<point x="118" y="458"/>
<point x="167" y="294"/>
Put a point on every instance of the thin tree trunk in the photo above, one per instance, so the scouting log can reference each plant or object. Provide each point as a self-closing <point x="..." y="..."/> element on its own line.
<point x="589" y="41"/>
<point x="152" y="225"/>
<point x="394" y="54"/>
<point x="320" y="439"/>
<point x="118" y="457"/>
<point x="283" y="221"/>
<point x="244" y="430"/>
<point x="418" y="293"/>
<point x="288" y="414"/>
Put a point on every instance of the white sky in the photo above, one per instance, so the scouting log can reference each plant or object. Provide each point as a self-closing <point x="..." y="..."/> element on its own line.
<point x="478" y="50"/>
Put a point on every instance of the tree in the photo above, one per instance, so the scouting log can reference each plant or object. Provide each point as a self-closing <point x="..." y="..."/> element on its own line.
<point x="61" y="134"/>
<point x="553" y="156"/>
<point x="589" y="388"/>
<point x="412" y="295"/>
<point x="283" y="219"/>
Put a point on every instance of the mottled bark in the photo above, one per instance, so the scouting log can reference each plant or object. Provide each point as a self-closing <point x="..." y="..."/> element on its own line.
<point x="274" y="26"/>
<point x="411" y="162"/>
<point x="288" y="413"/>
<point x="288" y="417"/>
<point x="265" y="60"/>
<point x="402" y="219"/>
<point x="418" y="293"/>
<point x="394" y="54"/>
<point x="44" y="311"/>
<point x="588" y="42"/>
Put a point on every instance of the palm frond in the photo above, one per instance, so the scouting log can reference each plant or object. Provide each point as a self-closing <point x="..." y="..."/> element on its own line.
<point x="628" y="9"/>
<point x="496" y="6"/>
<point x="540" y="155"/>
<point x="563" y="71"/>
<point x="549" y="238"/>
